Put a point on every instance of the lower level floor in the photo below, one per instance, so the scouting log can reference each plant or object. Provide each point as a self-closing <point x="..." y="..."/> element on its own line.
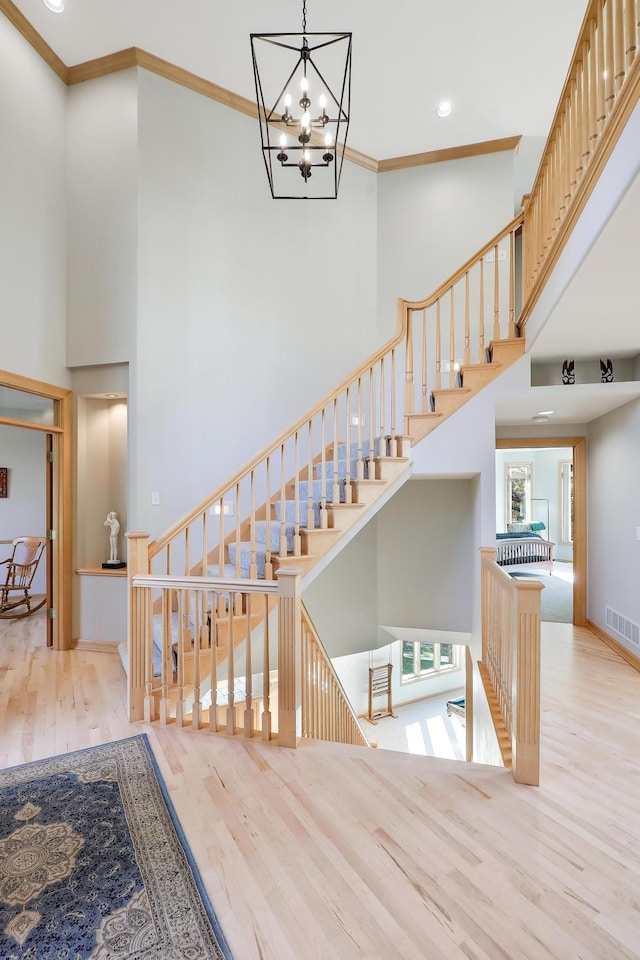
<point x="341" y="852"/>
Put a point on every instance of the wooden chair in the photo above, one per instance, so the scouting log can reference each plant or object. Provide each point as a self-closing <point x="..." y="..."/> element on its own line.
<point x="21" y="566"/>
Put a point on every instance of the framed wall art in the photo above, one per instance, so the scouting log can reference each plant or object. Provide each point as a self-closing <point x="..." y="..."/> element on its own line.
<point x="3" y="481"/>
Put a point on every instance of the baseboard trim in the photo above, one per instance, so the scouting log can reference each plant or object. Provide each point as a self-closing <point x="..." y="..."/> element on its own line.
<point x="95" y="646"/>
<point x="622" y="652"/>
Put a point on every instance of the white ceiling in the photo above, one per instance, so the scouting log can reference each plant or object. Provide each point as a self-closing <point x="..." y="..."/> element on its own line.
<point x="502" y="63"/>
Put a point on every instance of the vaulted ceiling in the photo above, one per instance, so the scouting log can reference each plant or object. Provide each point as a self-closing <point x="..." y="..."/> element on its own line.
<point x="502" y="63"/>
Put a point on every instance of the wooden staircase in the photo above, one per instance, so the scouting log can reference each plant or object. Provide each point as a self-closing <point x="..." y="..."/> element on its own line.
<point x="286" y="514"/>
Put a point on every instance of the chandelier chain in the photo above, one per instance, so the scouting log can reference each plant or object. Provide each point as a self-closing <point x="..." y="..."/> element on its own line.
<point x="304" y="16"/>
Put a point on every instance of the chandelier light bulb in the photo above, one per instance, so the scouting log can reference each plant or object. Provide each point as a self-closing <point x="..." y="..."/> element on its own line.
<point x="287" y="101"/>
<point x="328" y="140"/>
<point x="283" y="140"/>
<point x="322" y="100"/>
<point x="304" y="85"/>
<point x="305" y="122"/>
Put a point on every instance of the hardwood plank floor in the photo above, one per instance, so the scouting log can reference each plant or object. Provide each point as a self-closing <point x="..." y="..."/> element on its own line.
<point x="341" y="852"/>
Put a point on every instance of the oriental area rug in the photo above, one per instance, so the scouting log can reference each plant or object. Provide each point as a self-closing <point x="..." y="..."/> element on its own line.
<point x="93" y="863"/>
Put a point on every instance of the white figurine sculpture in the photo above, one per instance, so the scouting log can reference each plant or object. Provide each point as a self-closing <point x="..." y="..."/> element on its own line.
<point x="114" y="527"/>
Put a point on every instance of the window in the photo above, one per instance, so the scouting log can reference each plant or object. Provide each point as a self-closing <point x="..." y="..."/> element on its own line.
<point x="518" y="486"/>
<point x="420" y="660"/>
<point x="566" y="501"/>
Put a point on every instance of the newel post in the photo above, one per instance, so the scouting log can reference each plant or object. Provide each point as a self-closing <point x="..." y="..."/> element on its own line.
<point x="526" y="684"/>
<point x="289" y="658"/>
<point x="137" y="563"/>
<point x="487" y="556"/>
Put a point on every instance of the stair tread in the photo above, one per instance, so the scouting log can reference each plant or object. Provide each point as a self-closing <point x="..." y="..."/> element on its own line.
<point x="442" y="391"/>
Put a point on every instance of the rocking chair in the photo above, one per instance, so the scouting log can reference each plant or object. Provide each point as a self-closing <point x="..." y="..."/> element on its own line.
<point x="21" y="566"/>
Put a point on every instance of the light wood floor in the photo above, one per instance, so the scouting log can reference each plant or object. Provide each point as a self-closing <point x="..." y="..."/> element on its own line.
<point x="341" y="852"/>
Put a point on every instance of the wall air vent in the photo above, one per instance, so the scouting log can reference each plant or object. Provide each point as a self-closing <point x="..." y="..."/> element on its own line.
<point x="626" y="629"/>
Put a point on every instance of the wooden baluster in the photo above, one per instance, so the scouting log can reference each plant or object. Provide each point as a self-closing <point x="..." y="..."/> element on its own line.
<point x="593" y="82"/>
<point x="168" y="562"/>
<point x="348" y="489"/>
<point x="149" y="702"/>
<point x="574" y="153"/>
<point x="630" y="33"/>
<point x="187" y="551"/>
<point x="165" y="703"/>
<point x="423" y="402"/>
<point x="196" y="713"/>
<point x="180" y="703"/>
<point x="564" y="153"/>
<point x="213" y="662"/>
<point x="586" y="147"/>
<point x="359" y="461"/>
<point x="482" y="358"/>
<point x="231" y="654"/>
<point x="297" y="539"/>
<point x="282" y="549"/>
<point x="467" y="332"/>
<point x="438" y="347"/>
<point x="221" y="564"/>
<point x="268" y="565"/>
<point x="137" y="563"/>
<point x="289" y="642"/>
<point x="496" y="295"/>
<point x="266" y="681"/>
<point x="253" y="566"/>
<point x="310" y="514"/>
<point x="408" y="376"/>
<point x="579" y="123"/>
<point x="238" y="540"/>
<point x="324" y="516"/>
<point x="452" y="339"/>
<point x="382" y="449"/>
<point x="371" y="463"/>
<point x="609" y="86"/>
<point x="393" y="436"/>
<point x="248" y="710"/>
<point x="601" y="111"/>
<point x="619" y="53"/>
<point x="335" y="489"/>
<point x="512" y="287"/>
<point x="205" y="541"/>
<point x="304" y="685"/>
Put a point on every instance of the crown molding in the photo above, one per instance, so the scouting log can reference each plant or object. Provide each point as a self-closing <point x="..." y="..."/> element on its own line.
<point x="135" y="57"/>
<point x="449" y="153"/>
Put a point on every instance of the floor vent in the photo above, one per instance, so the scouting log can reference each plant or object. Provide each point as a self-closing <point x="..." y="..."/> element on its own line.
<point x="625" y="628"/>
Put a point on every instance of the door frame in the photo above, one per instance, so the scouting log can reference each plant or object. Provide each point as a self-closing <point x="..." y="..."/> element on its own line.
<point x="60" y="548"/>
<point x="579" y="445"/>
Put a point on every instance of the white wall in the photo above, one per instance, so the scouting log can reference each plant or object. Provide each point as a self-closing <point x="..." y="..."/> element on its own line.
<point x="613" y="514"/>
<point x="23" y="512"/>
<point x="102" y="214"/>
<point x="431" y="219"/>
<point x="32" y="201"/>
<point x="249" y="309"/>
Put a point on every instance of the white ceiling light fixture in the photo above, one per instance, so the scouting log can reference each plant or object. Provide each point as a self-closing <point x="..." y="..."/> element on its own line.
<point x="545" y="413"/>
<point x="56" y="6"/>
<point x="444" y="109"/>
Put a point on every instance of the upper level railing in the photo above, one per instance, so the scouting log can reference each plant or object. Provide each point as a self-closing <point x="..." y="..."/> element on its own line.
<point x="601" y="90"/>
<point x="510" y="665"/>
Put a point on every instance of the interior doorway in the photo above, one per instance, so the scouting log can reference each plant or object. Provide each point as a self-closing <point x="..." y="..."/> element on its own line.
<point x="575" y="482"/>
<point x="32" y="405"/>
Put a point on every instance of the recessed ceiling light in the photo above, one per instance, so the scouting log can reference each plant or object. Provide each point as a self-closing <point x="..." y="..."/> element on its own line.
<point x="56" y="6"/>
<point x="545" y="413"/>
<point x="538" y="419"/>
<point x="444" y="109"/>
<point x="111" y="396"/>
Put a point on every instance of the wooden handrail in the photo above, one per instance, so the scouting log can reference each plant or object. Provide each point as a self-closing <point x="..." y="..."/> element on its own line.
<point x="323" y="718"/>
<point x="459" y="274"/>
<point x="157" y="545"/>
<point x="511" y="663"/>
<point x="601" y="89"/>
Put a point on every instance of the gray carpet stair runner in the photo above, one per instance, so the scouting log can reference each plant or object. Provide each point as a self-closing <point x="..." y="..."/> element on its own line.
<point x="269" y="532"/>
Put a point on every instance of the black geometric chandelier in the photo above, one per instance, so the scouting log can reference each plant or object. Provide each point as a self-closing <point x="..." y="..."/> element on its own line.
<point x="303" y="91"/>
